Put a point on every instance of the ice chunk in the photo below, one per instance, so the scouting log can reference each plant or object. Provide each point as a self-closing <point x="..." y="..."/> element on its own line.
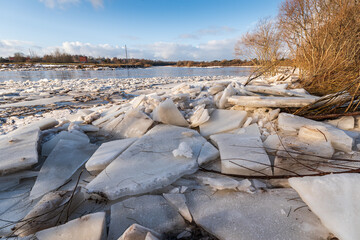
<point x="345" y="123"/>
<point x="222" y="121"/>
<point x="18" y="151"/>
<point x="273" y="102"/>
<point x="106" y="153"/>
<point x="150" y="211"/>
<point x="137" y="232"/>
<point x="228" y="92"/>
<point x="217" y="181"/>
<point x="51" y="209"/>
<point x="335" y="200"/>
<point x="60" y="165"/>
<point x="316" y="150"/>
<point x="168" y="113"/>
<point x="263" y="215"/>
<point x="311" y="133"/>
<point x="134" y="124"/>
<point x="178" y="200"/>
<point x="249" y="131"/>
<point x="88" y="227"/>
<point x="184" y="150"/>
<point x="200" y="116"/>
<point x="207" y="154"/>
<point x="338" y="138"/>
<point x="242" y="155"/>
<point x="41" y="124"/>
<point x="148" y="163"/>
<point x="48" y="146"/>
<point x="12" y="180"/>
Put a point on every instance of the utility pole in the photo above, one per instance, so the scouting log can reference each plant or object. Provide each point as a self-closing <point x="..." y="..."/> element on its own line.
<point x="127" y="63"/>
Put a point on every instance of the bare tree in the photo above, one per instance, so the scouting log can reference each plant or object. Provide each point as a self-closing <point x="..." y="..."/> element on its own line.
<point x="261" y="45"/>
<point x="324" y="39"/>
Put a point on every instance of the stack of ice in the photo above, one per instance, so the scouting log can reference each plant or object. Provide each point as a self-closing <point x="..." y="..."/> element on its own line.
<point x="196" y="161"/>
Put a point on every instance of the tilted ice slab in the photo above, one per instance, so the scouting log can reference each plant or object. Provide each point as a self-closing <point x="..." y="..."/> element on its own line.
<point x="222" y="121"/>
<point x="274" y="214"/>
<point x="60" y="165"/>
<point x="335" y="200"/>
<point x="168" y="113"/>
<point x="19" y="151"/>
<point x="48" y="146"/>
<point x="138" y="232"/>
<point x="88" y="227"/>
<point x="149" y="163"/>
<point x="242" y="155"/>
<point x="338" y="138"/>
<point x="178" y="200"/>
<point x="106" y="153"/>
<point x="134" y="124"/>
<point x="43" y="101"/>
<point x="275" y="102"/>
<point x="150" y="211"/>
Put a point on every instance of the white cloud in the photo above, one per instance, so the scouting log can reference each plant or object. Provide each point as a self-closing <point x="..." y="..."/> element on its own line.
<point x="66" y="3"/>
<point x="9" y="47"/>
<point x="211" y="50"/>
<point x="97" y="3"/>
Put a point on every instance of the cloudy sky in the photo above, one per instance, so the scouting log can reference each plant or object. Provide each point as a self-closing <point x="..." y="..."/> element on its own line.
<point x="152" y="29"/>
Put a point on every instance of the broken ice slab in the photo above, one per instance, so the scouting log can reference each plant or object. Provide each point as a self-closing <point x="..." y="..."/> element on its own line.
<point x="60" y="165"/>
<point x="274" y="90"/>
<point x="249" y="131"/>
<point x="222" y="121"/>
<point x="137" y="232"/>
<point x="77" y="136"/>
<point x="48" y="212"/>
<point x="200" y="116"/>
<point x="134" y="124"/>
<point x="242" y="155"/>
<point x="178" y="201"/>
<point x="19" y="151"/>
<point x="150" y="211"/>
<point x="106" y="153"/>
<point x="38" y="102"/>
<point x="88" y="227"/>
<point x="12" y="180"/>
<point x="149" y="163"/>
<point x="18" y="210"/>
<point x="263" y="215"/>
<point x="335" y="200"/>
<point x="338" y="138"/>
<point x="228" y="92"/>
<point x="168" y="113"/>
<point x="37" y="125"/>
<point x="304" y="150"/>
<point x="344" y="123"/>
<point x="217" y="181"/>
<point x="273" y="102"/>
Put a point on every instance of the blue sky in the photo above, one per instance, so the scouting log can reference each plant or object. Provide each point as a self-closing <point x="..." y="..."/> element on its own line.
<point x="152" y="29"/>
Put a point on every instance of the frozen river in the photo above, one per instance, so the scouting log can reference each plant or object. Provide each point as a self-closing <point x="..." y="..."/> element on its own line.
<point x="124" y="73"/>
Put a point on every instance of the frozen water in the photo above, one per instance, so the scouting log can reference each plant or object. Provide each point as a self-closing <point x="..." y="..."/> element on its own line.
<point x="222" y="121"/>
<point x="89" y="227"/>
<point x="149" y="163"/>
<point x="335" y="200"/>
<point x="150" y="211"/>
<point x="60" y="165"/>
<point x="106" y="153"/>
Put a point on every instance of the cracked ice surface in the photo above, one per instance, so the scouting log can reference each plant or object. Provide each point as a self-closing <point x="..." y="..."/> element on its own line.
<point x="149" y="163"/>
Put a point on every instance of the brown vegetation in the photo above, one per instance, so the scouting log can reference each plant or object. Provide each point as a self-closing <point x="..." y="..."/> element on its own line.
<point x="324" y="39"/>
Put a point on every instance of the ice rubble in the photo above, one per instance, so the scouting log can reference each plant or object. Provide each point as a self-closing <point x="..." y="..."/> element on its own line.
<point x="160" y="168"/>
